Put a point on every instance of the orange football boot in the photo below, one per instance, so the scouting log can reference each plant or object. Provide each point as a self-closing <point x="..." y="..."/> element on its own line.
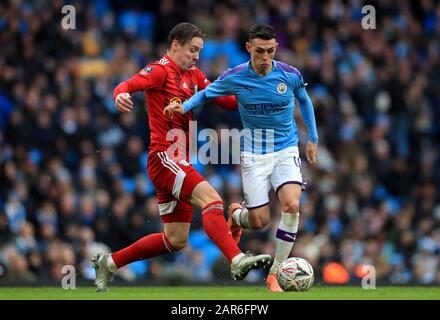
<point x="236" y="230"/>
<point x="272" y="283"/>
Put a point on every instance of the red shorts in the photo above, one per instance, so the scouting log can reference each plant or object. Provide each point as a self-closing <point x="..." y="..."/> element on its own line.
<point x="174" y="182"/>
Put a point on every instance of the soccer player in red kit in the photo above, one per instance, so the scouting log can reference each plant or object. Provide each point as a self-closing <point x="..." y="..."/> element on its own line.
<point x="178" y="185"/>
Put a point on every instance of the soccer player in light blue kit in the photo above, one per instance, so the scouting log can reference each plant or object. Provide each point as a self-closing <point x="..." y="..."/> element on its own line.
<point x="266" y="90"/>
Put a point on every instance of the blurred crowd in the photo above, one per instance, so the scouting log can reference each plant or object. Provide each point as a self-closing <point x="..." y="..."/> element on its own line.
<point x="72" y="169"/>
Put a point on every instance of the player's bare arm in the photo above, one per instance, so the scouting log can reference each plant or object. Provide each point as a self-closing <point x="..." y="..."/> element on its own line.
<point x="311" y="152"/>
<point x="123" y="102"/>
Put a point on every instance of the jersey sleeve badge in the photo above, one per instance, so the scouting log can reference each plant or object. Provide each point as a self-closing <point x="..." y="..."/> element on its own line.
<point x="146" y="70"/>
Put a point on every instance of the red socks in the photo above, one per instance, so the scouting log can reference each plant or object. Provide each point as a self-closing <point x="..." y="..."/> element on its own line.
<point x="215" y="226"/>
<point x="147" y="247"/>
<point x="153" y="245"/>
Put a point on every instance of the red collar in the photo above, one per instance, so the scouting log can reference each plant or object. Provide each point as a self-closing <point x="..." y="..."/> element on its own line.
<point x="173" y="64"/>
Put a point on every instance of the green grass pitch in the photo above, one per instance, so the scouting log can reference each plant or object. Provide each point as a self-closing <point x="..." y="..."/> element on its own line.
<point x="220" y="293"/>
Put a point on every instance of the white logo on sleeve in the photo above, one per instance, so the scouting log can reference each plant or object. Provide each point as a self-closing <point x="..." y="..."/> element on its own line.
<point x="163" y="61"/>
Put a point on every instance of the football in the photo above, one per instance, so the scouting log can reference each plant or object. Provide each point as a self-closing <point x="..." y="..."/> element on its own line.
<point x="295" y="274"/>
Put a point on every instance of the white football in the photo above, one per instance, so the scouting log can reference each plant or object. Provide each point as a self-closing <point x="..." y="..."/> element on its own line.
<point x="295" y="274"/>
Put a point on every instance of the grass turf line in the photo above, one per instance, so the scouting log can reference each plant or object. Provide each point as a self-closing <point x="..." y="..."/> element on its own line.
<point x="220" y="293"/>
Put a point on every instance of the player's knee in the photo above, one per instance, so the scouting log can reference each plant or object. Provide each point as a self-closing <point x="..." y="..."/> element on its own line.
<point x="179" y="245"/>
<point x="291" y="207"/>
<point x="204" y="194"/>
<point x="258" y="223"/>
<point x="178" y="242"/>
<point x="211" y="195"/>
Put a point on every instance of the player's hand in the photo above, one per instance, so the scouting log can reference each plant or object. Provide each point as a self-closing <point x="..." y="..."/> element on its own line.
<point x="123" y="102"/>
<point x="173" y="107"/>
<point x="311" y="152"/>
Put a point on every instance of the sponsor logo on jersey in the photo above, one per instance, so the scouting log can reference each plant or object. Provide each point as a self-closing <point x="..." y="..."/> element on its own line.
<point x="163" y="61"/>
<point x="185" y="86"/>
<point x="266" y="108"/>
<point x="184" y="163"/>
<point x="281" y="88"/>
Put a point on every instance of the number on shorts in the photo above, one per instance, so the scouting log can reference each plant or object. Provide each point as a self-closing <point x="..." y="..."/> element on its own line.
<point x="297" y="161"/>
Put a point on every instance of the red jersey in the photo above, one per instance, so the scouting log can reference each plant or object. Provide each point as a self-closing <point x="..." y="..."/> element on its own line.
<point x="164" y="82"/>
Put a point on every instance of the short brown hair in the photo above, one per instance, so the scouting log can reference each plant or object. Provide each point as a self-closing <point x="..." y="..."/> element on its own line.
<point x="262" y="31"/>
<point x="183" y="33"/>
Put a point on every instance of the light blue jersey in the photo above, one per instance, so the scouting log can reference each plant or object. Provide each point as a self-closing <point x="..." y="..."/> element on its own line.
<point x="266" y="105"/>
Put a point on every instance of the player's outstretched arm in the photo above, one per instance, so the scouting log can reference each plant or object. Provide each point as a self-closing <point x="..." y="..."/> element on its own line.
<point x="196" y="100"/>
<point x="216" y="91"/>
<point x="213" y="90"/>
<point x="147" y="78"/>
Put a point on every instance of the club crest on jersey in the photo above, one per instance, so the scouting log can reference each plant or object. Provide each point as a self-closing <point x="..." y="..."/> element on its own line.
<point x="281" y="88"/>
<point x="176" y="99"/>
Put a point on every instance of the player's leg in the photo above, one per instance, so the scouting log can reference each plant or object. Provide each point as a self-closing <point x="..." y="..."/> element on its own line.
<point x="214" y="224"/>
<point x="287" y="229"/>
<point x="256" y="186"/>
<point x="287" y="182"/>
<point x="204" y="196"/>
<point x="177" y="234"/>
<point x="173" y="238"/>
<point x="250" y="218"/>
<point x="176" y="216"/>
<point x="147" y="247"/>
<point x="189" y="186"/>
